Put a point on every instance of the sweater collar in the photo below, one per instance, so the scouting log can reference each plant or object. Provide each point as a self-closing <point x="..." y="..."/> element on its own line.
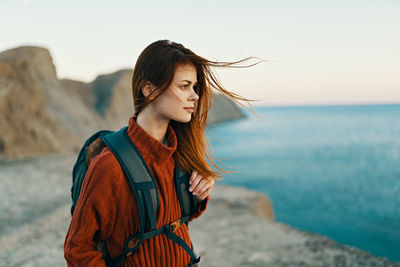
<point x="148" y="145"/>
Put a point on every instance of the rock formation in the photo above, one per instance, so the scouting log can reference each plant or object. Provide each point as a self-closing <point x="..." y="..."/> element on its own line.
<point x="222" y="109"/>
<point x="27" y="125"/>
<point x="40" y="113"/>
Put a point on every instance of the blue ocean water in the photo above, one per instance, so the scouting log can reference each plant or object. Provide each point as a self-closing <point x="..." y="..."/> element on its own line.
<point x="332" y="170"/>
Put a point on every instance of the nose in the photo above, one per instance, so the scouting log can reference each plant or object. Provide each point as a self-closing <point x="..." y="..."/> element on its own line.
<point x="194" y="96"/>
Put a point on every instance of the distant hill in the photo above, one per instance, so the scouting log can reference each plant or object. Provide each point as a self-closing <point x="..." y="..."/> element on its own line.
<point x="222" y="109"/>
<point x="29" y="93"/>
<point x="41" y="114"/>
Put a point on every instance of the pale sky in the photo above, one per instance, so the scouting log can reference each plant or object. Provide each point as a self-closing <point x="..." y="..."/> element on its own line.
<point x="316" y="52"/>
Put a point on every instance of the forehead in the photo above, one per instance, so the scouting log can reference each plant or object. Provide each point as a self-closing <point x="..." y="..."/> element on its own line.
<point x="185" y="72"/>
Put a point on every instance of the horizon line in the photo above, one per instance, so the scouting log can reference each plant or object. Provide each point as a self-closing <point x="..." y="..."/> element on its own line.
<point x="326" y="104"/>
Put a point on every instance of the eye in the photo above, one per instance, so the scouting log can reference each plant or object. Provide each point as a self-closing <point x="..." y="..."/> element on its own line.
<point x="195" y="87"/>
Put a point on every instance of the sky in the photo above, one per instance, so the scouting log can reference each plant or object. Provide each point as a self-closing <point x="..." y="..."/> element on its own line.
<point x="314" y="52"/>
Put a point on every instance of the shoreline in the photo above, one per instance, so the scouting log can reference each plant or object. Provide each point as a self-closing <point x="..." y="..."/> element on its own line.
<point x="238" y="228"/>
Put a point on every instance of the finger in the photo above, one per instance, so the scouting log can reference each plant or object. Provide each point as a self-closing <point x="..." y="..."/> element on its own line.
<point x="211" y="181"/>
<point x="195" y="182"/>
<point x="204" y="187"/>
<point x="195" y="178"/>
<point x="205" y="194"/>
<point x="199" y="188"/>
<point x="210" y="186"/>
<point x="192" y="176"/>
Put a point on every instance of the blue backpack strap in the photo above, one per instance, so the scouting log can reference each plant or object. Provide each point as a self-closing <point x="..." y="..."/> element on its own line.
<point x="139" y="176"/>
<point x="186" y="199"/>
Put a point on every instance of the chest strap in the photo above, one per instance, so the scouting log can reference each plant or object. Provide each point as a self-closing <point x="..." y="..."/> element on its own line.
<point x="134" y="242"/>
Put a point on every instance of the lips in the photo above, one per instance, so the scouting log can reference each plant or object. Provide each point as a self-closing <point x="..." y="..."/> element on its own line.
<point x="189" y="109"/>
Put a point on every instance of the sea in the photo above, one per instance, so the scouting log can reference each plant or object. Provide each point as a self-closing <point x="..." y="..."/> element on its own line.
<point x="330" y="170"/>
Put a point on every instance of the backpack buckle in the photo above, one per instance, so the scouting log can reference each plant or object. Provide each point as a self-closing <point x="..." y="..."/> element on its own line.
<point x="132" y="244"/>
<point x="175" y="225"/>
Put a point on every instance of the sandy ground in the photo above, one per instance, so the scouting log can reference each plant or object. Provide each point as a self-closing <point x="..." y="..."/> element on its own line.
<point x="34" y="217"/>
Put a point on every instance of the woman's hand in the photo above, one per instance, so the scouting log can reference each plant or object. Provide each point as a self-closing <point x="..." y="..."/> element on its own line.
<point x="200" y="186"/>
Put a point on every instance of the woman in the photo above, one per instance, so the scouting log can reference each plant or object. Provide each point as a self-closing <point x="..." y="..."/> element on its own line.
<point x="171" y="89"/>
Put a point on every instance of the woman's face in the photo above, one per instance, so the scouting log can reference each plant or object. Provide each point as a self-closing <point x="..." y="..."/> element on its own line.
<point x="180" y="96"/>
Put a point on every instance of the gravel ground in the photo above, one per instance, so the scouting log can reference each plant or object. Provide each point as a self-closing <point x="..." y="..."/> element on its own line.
<point x="234" y="231"/>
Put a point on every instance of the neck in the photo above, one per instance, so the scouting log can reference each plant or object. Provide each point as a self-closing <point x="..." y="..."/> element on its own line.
<point x="153" y="125"/>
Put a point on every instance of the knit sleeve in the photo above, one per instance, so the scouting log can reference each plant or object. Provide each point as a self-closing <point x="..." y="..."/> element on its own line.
<point x="94" y="215"/>
<point x="202" y="206"/>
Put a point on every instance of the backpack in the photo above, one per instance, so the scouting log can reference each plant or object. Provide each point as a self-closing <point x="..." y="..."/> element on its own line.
<point x="144" y="187"/>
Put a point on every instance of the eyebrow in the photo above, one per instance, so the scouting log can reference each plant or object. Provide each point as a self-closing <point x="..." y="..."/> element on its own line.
<point x="187" y="81"/>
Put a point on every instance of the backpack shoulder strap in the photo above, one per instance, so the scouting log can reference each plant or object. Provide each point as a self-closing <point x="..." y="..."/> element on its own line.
<point x="186" y="199"/>
<point x="138" y="174"/>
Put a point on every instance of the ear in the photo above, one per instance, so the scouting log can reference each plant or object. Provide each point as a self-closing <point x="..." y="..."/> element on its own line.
<point x="147" y="89"/>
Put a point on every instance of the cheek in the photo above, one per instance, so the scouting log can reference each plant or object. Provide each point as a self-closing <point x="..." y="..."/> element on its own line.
<point x="175" y="96"/>
<point x="168" y="104"/>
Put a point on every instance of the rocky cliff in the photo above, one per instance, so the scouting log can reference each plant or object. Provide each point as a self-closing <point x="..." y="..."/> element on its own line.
<point x="27" y="124"/>
<point x="40" y="113"/>
<point x="223" y="109"/>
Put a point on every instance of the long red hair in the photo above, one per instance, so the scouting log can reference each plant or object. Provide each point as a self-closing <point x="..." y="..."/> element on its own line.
<point x="157" y="64"/>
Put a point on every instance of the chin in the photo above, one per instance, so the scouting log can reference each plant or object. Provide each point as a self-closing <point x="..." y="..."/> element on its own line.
<point x="183" y="120"/>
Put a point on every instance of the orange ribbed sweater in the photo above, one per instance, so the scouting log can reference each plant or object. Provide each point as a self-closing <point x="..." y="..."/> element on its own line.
<point x="107" y="209"/>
